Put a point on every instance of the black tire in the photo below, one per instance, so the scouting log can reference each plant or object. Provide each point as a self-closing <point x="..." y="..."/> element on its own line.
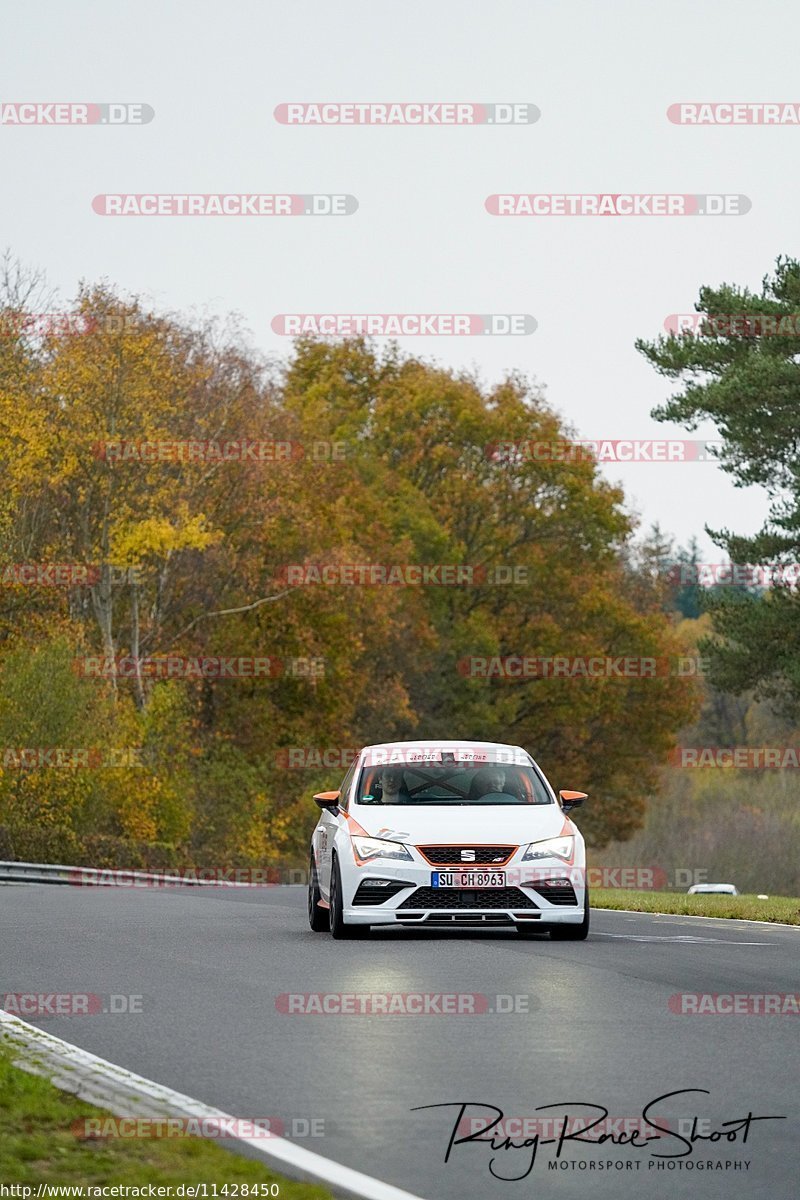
<point x="318" y="918"/>
<point x="573" y="933"/>
<point x="338" y="927"/>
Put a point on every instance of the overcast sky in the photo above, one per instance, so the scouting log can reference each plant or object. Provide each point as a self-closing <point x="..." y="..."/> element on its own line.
<point x="602" y="74"/>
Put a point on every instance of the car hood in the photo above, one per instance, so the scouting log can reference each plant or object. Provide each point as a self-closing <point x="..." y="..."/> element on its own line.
<point x="508" y="824"/>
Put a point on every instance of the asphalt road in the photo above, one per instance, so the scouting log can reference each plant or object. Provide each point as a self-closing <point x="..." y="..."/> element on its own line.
<point x="592" y="1024"/>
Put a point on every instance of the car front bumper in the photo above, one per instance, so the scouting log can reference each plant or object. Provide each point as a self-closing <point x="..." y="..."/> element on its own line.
<point x="549" y="894"/>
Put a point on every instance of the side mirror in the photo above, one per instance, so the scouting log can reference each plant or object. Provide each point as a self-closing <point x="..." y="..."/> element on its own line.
<point x="328" y="801"/>
<point x="570" y="800"/>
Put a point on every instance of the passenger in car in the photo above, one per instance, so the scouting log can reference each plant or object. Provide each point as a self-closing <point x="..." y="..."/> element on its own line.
<point x="392" y="787"/>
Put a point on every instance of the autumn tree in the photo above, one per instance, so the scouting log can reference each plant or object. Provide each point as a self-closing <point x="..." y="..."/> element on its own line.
<point x="427" y="441"/>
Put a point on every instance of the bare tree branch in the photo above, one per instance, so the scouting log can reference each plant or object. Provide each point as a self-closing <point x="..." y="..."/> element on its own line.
<point x="227" y="612"/>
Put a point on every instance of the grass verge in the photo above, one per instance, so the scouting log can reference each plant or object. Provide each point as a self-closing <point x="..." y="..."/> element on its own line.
<point x="785" y="909"/>
<point x="37" y="1145"/>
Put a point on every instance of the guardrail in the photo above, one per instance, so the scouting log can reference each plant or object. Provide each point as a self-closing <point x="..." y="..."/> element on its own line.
<point x="24" y="872"/>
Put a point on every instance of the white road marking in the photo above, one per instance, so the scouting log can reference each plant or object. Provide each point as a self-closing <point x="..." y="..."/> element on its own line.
<point x="678" y="937"/>
<point x="681" y="917"/>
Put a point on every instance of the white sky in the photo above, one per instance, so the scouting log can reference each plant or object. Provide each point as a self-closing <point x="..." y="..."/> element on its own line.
<point x="602" y="74"/>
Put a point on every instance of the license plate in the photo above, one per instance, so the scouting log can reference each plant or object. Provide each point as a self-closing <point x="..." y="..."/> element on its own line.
<point x="468" y="879"/>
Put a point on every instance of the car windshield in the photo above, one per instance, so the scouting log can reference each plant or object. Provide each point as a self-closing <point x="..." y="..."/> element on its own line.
<point x="491" y="780"/>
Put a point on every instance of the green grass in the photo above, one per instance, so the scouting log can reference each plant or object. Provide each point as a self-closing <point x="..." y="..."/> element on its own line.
<point x="37" y="1145"/>
<point x="778" y="908"/>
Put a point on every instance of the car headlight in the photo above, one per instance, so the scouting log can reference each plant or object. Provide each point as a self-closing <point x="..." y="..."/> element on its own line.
<point x="560" y="847"/>
<point x="368" y="848"/>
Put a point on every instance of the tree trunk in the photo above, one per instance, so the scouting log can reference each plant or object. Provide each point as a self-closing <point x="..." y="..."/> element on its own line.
<point x="103" y="605"/>
<point x="135" y="648"/>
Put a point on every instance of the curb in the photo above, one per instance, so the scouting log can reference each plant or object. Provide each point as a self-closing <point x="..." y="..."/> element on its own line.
<point x="125" y="1094"/>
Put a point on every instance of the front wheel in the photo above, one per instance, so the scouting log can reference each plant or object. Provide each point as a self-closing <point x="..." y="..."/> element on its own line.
<point x="317" y="917"/>
<point x="573" y="933"/>
<point x="338" y="927"/>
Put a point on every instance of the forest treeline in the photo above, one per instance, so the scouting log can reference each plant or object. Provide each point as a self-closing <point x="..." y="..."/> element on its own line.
<point x="170" y="499"/>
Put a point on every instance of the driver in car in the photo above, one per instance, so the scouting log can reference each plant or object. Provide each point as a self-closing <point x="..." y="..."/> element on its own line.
<point x="488" y="779"/>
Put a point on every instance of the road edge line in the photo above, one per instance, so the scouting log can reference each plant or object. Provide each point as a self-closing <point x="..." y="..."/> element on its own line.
<point x="644" y="912"/>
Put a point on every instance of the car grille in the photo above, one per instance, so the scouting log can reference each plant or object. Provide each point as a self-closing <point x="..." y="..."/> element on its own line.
<point x="430" y="897"/>
<point x="560" y="891"/>
<point x="446" y="856"/>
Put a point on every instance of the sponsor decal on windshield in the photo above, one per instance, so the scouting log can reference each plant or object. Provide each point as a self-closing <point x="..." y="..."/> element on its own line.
<point x="379" y="755"/>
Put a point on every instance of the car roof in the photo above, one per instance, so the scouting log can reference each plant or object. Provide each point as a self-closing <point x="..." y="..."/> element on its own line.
<point x="438" y="743"/>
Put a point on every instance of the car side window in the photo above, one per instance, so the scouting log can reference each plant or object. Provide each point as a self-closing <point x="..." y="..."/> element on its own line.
<point x="344" y="787"/>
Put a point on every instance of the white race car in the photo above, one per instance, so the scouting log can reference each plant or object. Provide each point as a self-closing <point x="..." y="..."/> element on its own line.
<point x="448" y="834"/>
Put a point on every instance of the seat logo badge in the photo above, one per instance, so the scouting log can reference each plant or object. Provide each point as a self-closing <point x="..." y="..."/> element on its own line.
<point x="468" y="856"/>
